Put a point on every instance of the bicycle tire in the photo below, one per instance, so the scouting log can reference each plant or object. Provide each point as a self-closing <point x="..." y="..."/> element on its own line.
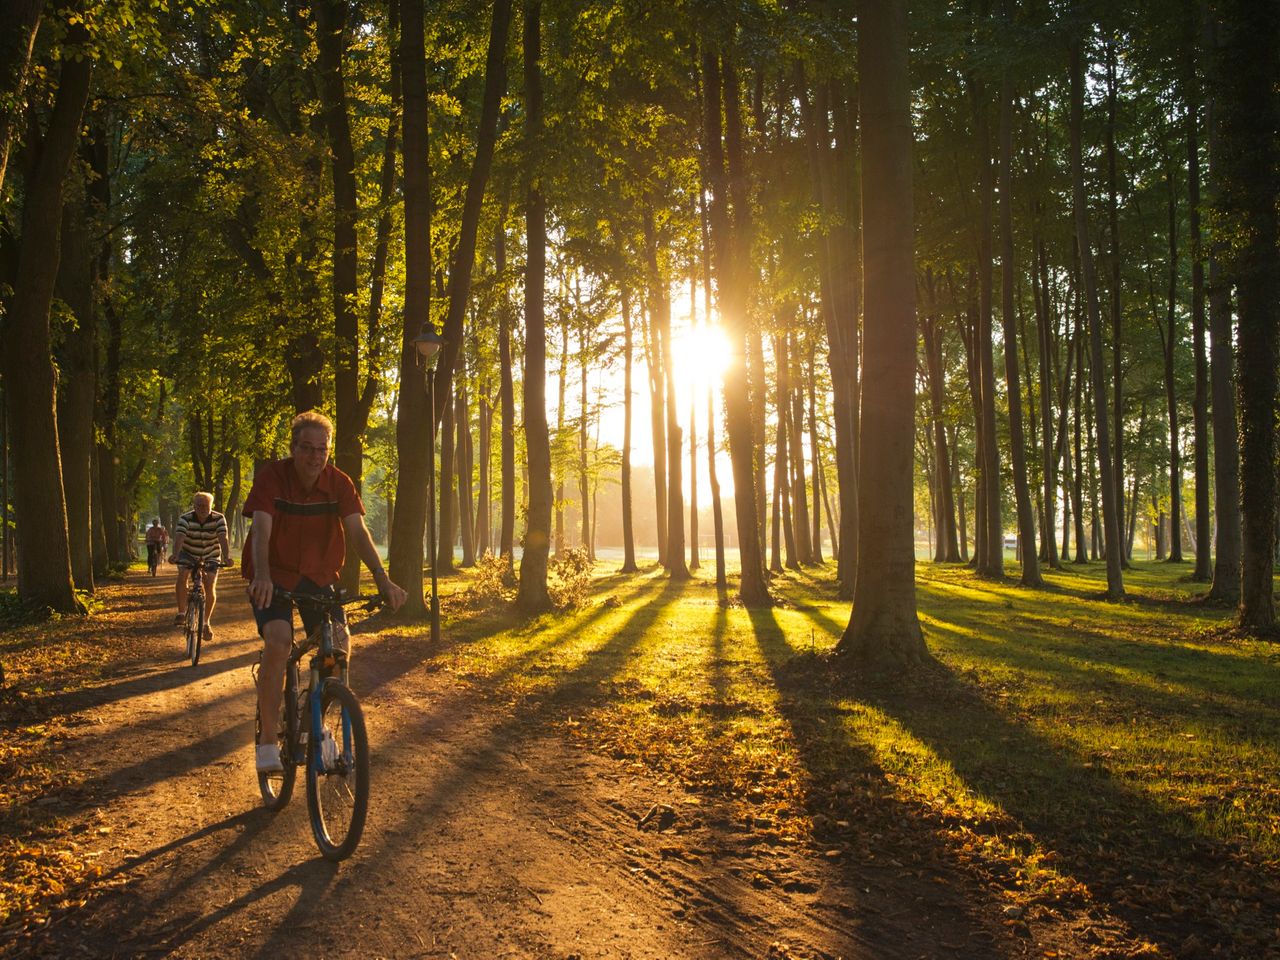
<point x="338" y="799"/>
<point x="189" y="631"/>
<point x="199" y="630"/>
<point x="277" y="788"/>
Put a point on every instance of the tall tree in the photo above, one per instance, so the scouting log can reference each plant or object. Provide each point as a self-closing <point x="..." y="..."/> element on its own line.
<point x="1110" y="506"/>
<point x="884" y="629"/>
<point x="1248" y="76"/>
<point x="730" y="233"/>
<point x="1200" y="402"/>
<point x="44" y="565"/>
<point x="1227" y="546"/>
<point x="533" y="595"/>
<point x="415" y="432"/>
<point x="1013" y="385"/>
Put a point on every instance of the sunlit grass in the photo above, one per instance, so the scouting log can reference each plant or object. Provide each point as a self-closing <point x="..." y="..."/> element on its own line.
<point x="1051" y="726"/>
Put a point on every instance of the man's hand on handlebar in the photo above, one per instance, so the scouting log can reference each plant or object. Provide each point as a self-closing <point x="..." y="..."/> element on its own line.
<point x="260" y="592"/>
<point x="394" y="594"/>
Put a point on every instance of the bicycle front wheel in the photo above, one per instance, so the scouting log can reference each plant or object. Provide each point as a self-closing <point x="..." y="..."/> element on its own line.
<point x="197" y="630"/>
<point x="338" y="773"/>
<point x="191" y="631"/>
<point x="277" y="787"/>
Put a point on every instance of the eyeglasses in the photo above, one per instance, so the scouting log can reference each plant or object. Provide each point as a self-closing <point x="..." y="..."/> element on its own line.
<point x="311" y="450"/>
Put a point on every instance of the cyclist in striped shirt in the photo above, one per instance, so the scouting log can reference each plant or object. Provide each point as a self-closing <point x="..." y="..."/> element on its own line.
<point x="201" y="534"/>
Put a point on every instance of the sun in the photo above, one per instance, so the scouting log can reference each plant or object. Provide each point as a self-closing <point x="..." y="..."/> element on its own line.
<point x="702" y="353"/>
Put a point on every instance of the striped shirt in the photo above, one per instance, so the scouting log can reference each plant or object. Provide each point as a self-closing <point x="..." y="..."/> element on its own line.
<point x="201" y="540"/>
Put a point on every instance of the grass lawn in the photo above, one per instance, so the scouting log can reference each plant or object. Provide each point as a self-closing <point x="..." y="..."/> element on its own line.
<point x="1116" y="761"/>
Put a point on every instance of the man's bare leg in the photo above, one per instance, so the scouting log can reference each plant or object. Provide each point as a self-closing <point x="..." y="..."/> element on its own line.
<point x="277" y="640"/>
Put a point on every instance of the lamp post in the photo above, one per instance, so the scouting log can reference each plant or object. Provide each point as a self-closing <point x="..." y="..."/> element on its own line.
<point x="428" y="343"/>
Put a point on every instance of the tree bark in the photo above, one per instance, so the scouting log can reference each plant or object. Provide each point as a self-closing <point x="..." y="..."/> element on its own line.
<point x="1110" y="506"/>
<point x="1200" y="403"/>
<point x="507" y="403"/>
<point x="77" y="386"/>
<point x="44" y="564"/>
<point x="1248" y="75"/>
<point x="1228" y="545"/>
<point x="1171" y="391"/>
<point x="331" y="29"/>
<point x="1117" y="316"/>
<point x="1013" y="383"/>
<point x="415" y="433"/>
<point x="730" y="248"/>
<point x="532" y="596"/>
<point x="884" y="630"/>
<point x="628" y="533"/>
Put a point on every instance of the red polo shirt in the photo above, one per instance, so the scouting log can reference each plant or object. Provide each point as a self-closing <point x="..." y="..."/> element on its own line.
<point x="307" y="539"/>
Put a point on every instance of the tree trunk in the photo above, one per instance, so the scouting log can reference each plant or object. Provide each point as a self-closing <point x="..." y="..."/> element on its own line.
<point x="628" y="533"/>
<point x="466" y="457"/>
<point x="799" y="496"/>
<point x="782" y="466"/>
<point x="660" y="322"/>
<point x="731" y="245"/>
<point x="1228" y="546"/>
<point x="884" y="630"/>
<point x="1248" y="74"/>
<point x="1170" y="383"/>
<point x="44" y="564"/>
<point x="482" y="527"/>
<point x="558" y="469"/>
<point x="1110" y="507"/>
<point x="1013" y="384"/>
<point x="507" y="393"/>
<point x="948" y="550"/>
<point x="717" y="511"/>
<point x="1049" y="454"/>
<point x="815" y="454"/>
<point x="331" y="27"/>
<point x="1200" y="404"/>
<point x="446" y="503"/>
<point x="415" y="432"/>
<point x="1117" y="341"/>
<point x="693" y="436"/>
<point x="533" y="595"/>
<point x="584" y="478"/>
<point x="77" y="387"/>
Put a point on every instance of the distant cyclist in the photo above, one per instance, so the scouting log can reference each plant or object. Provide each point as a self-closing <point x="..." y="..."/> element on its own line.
<point x="201" y="534"/>
<point x="157" y="540"/>
<point x="303" y="509"/>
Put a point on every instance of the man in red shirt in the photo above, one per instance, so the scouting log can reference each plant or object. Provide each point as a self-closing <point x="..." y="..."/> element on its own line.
<point x="303" y="510"/>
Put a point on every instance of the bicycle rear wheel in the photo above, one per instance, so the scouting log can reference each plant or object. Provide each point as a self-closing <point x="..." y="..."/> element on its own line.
<point x="338" y="797"/>
<point x="197" y="633"/>
<point x="277" y="787"/>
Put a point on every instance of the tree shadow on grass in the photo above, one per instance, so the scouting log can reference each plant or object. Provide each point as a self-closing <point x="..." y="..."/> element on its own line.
<point x="915" y="891"/>
<point x="1148" y="864"/>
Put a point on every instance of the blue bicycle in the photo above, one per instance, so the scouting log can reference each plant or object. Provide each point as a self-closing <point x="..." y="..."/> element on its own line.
<point x="322" y="728"/>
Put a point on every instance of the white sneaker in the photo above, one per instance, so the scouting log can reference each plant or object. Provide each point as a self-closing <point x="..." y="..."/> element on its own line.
<point x="268" y="756"/>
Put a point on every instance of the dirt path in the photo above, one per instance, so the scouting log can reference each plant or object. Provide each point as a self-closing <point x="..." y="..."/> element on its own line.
<point x="488" y="836"/>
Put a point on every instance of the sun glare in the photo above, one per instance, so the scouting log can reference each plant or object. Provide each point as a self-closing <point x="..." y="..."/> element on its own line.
<point x="702" y="353"/>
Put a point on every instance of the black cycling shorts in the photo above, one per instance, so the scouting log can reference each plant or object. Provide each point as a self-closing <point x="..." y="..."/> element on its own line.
<point x="282" y="609"/>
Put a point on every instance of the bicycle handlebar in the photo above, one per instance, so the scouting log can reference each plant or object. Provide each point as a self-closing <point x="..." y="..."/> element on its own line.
<point x="203" y="563"/>
<point x="370" y="600"/>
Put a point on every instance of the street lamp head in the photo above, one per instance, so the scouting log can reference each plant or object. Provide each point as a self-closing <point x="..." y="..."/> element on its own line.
<point x="428" y="342"/>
